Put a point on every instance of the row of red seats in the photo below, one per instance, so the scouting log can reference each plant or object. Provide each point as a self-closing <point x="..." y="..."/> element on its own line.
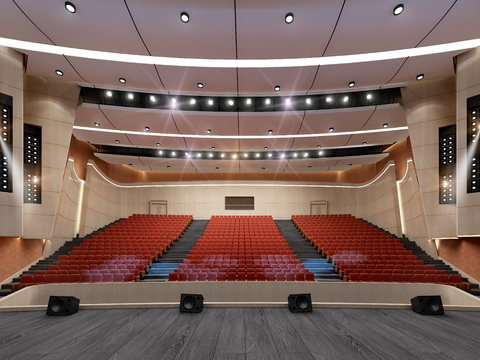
<point x="244" y="250"/>
<point x="406" y="277"/>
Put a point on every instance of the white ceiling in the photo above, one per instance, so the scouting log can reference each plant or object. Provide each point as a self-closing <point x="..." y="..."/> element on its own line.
<point x="245" y="29"/>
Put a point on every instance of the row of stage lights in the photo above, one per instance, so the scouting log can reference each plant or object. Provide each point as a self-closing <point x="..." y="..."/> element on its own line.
<point x="241" y="104"/>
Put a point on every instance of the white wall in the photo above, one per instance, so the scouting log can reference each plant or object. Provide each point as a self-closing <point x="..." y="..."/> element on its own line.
<point x="105" y="200"/>
<point x="11" y="83"/>
<point x="468" y="85"/>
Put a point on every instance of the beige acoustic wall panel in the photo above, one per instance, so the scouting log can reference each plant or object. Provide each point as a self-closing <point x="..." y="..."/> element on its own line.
<point x="50" y="105"/>
<point x="430" y="105"/>
<point x="468" y="85"/>
<point x="11" y="84"/>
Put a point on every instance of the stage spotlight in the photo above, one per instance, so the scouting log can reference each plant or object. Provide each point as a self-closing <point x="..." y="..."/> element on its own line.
<point x="191" y="303"/>
<point x="62" y="305"/>
<point x="300" y="303"/>
<point x="427" y="305"/>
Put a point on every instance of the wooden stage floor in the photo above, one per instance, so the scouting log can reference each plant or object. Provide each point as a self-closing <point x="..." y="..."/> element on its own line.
<point x="240" y="333"/>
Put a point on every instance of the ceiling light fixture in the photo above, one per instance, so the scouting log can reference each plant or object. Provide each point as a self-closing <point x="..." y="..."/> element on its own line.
<point x="200" y="85"/>
<point x="59" y="72"/>
<point x="184" y="17"/>
<point x="130" y="96"/>
<point x="265" y="148"/>
<point x="209" y="131"/>
<point x="385" y="125"/>
<point x="122" y="80"/>
<point x="71" y="8"/>
<point x="257" y="155"/>
<point x="420" y="77"/>
<point x="308" y="101"/>
<point x="217" y="168"/>
<point x="345" y="99"/>
<point x="277" y="88"/>
<point x="351" y="84"/>
<point x="397" y="10"/>
<point x="263" y="168"/>
<point x="192" y="101"/>
<point x="130" y="165"/>
<point x="319" y="146"/>
<point x="168" y="166"/>
<point x="109" y="93"/>
<point x="364" y="143"/>
<point x="230" y="102"/>
<point x="350" y="165"/>
<point x="270" y="132"/>
<point x="213" y="147"/>
<point x="289" y="18"/>
<point x="329" y="99"/>
<point x="309" y="166"/>
<point x="96" y="124"/>
<point x="248" y="101"/>
<point x="158" y="144"/>
<point x="147" y="128"/>
<point x="369" y="96"/>
<point x="117" y="141"/>
<point x="267" y="101"/>
<point x="210" y="102"/>
<point x="153" y="98"/>
<point x="331" y="129"/>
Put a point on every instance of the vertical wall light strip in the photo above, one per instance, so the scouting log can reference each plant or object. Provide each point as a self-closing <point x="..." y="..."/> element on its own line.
<point x="447" y="167"/>
<point x="6" y="144"/>
<point x="32" y="164"/>
<point x="473" y="151"/>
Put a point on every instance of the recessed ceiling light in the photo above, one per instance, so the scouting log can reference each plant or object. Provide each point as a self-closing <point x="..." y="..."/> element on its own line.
<point x="265" y="148"/>
<point x="174" y="153"/>
<point x="267" y="101"/>
<point x="153" y="98"/>
<point x="173" y="101"/>
<point x="188" y="155"/>
<point x="160" y="152"/>
<point x="350" y="165"/>
<point x="270" y="132"/>
<point x="213" y="147"/>
<point x="199" y="155"/>
<point x="320" y="153"/>
<point x="117" y="141"/>
<point x="147" y="128"/>
<point x="130" y="96"/>
<point x="168" y="166"/>
<point x="329" y="99"/>
<point x="397" y="10"/>
<point x="319" y="146"/>
<point x="234" y="156"/>
<point x="210" y="155"/>
<point x="184" y="17"/>
<point x="282" y="156"/>
<point x="192" y="101"/>
<point x="289" y="18"/>
<point x="217" y="168"/>
<point x="158" y="144"/>
<point x="257" y="155"/>
<point x="71" y="8"/>
<point x="248" y="101"/>
<point x="209" y="131"/>
<point x="420" y="77"/>
<point x="305" y="154"/>
<point x="122" y="80"/>
<point x="309" y="166"/>
<point x="308" y="101"/>
<point x="109" y="93"/>
<point x="276" y="88"/>
<point x="385" y="125"/>
<point x="200" y="85"/>
<point x="230" y="102"/>
<point x="331" y="129"/>
<point x="96" y="124"/>
<point x="269" y="154"/>
<point x="287" y="101"/>
<point x="59" y="72"/>
<point x="130" y="165"/>
<point x="345" y="98"/>
<point x="263" y="168"/>
<point x="351" y="84"/>
<point x="369" y="96"/>
<point x="245" y="155"/>
<point x="295" y="154"/>
<point x="364" y="143"/>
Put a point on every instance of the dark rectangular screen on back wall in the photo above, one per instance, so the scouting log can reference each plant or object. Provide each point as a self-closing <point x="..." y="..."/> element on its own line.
<point x="239" y="203"/>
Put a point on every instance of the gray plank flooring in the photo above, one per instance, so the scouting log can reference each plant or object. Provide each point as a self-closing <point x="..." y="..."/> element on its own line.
<point x="240" y="334"/>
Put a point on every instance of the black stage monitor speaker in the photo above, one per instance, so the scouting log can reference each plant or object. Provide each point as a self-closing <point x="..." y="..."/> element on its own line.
<point x="62" y="305"/>
<point x="191" y="303"/>
<point x="427" y="305"/>
<point x="300" y="303"/>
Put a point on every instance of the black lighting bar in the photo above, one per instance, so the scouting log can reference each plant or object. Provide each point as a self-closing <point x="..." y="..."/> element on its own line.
<point x="6" y="148"/>
<point x="243" y="155"/>
<point x="447" y="164"/>
<point x="32" y="164"/>
<point x="473" y="150"/>
<point x="240" y="104"/>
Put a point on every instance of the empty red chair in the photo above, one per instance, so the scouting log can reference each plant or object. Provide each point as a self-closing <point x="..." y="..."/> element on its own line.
<point x="222" y="276"/>
<point x="241" y="276"/>
<point x="354" y="276"/>
<point x="62" y="277"/>
<point x="376" y="277"/>
<point x="443" y="278"/>
<point x="26" y="279"/>
<point x="128" y="277"/>
<point x="431" y="278"/>
<point x="270" y="276"/>
<point x="289" y="276"/>
<point x="365" y="277"/>
<point x="300" y="276"/>
<point x="193" y="276"/>
<point x="86" y="277"/>
<point x="420" y="278"/>
<point x="309" y="276"/>
<point x="408" y="277"/>
<point x="173" y="276"/>
<point x="386" y="277"/>
<point x="182" y="277"/>
<point x="74" y="278"/>
<point x="279" y="276"/>
<point x="118" y="277"/>
<point x="232" y="276"/>
<point x="251" y="276"/>
<point x="107" y="277"/>
<point x="212" y="276"/>
<point x="203" y="276"/>
<point x="454" y="279"/>
<point x="51" y="278"/>
<point x="97" y="277"/>
<point x="39" y="279"/>
<point x="260" y="276"/>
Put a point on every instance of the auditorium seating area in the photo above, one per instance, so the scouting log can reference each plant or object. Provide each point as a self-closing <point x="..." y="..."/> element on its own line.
<point x="362" y="252"/>
<point x="120" y="253"/>
<point x="241" y="248"/>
